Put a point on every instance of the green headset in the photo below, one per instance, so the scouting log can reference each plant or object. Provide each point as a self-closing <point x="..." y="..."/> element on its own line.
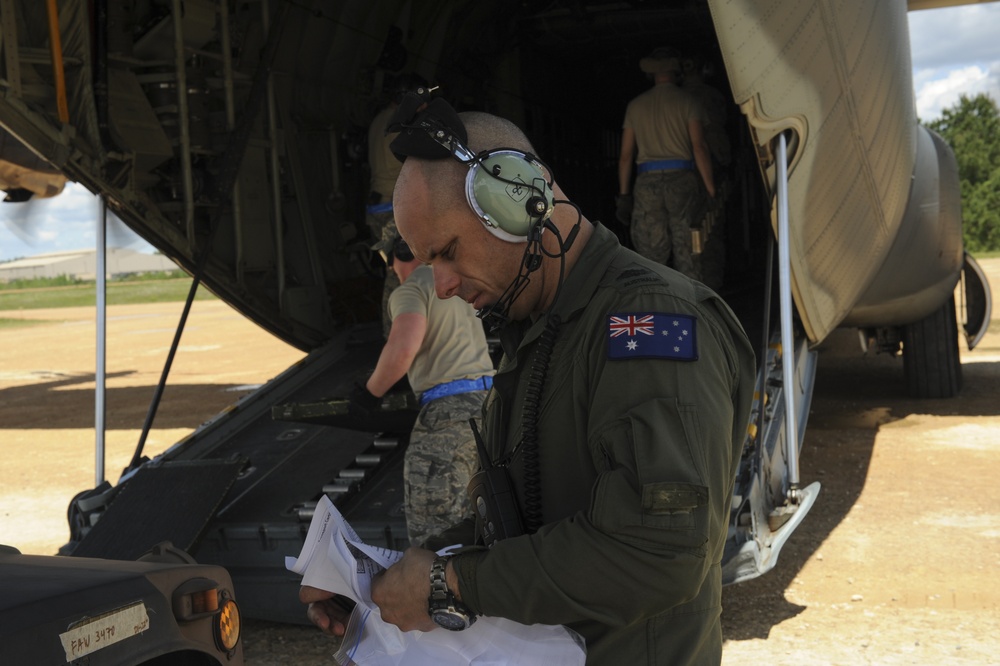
<point x="505" y="187"/>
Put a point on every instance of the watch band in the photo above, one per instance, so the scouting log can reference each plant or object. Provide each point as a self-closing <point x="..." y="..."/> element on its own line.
<point x="442" y="606"/>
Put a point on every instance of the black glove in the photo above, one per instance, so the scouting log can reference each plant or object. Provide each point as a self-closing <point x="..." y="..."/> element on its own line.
<point x="361" y="402"/>
<point x="623" y="209"/>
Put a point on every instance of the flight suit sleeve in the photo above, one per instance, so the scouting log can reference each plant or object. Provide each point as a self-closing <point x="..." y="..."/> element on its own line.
<point x="661" y="436"/>
<point x="463" y="533"/>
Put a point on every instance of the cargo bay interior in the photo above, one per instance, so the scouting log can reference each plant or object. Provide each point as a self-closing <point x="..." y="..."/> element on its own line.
<point x="307" y="81"/>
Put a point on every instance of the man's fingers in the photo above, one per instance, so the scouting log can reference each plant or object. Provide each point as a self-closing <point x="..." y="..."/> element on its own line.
<point x="324" y="615"/>
<point x="318" y="617"/>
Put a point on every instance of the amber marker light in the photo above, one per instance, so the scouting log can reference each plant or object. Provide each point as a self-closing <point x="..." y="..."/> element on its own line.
<point x="205" y="602"/>
<point x="227" y="625"/>
<point x="196" y="598"/>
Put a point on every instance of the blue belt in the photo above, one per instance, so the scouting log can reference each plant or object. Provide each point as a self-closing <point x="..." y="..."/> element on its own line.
<point x="375" y="209"/>
<point x="454" y="388"/>
<point x="664" y="165"/>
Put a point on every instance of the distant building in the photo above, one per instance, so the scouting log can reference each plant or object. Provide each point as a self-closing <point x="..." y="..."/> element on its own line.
<point x="82" y="264"/>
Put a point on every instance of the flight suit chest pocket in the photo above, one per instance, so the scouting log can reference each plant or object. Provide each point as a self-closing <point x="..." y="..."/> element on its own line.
<point x="672" y="505"/>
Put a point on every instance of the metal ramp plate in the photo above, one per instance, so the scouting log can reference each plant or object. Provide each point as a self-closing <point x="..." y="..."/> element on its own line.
<point x="168" y="501"/>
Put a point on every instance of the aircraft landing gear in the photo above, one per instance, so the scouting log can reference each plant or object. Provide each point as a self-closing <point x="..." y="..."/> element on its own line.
<point x="930" y="354"/>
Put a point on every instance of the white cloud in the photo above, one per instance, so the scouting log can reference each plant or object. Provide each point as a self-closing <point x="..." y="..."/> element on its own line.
<point x="955" y="51"/>
<point x="936" y="94"/>
<point x="67" y="221"/>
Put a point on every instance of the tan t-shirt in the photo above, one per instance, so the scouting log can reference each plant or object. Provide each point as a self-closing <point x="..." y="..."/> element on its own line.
<point x="384" y="165"/>
<point x="659" y="117"/>
<point x="454" y="345"/>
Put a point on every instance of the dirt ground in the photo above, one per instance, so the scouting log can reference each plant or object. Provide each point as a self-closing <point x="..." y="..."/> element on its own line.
<point x="897" y="563"/>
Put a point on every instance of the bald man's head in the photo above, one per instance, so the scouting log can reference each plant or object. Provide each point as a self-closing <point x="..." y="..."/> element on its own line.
<point x="434" y="185"/>
<point x="472" y="260"/>
<point x="487" y="132"/>
<point x="444" y="180"/>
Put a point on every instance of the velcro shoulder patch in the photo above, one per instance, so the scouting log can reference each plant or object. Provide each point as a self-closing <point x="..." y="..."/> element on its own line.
<point x="652" y="335"/>
<point x="666" y="498"/>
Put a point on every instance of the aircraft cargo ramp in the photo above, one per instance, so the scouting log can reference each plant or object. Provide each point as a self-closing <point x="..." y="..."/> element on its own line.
<point x="275" y="472"/>
<point x="255" y="472"/>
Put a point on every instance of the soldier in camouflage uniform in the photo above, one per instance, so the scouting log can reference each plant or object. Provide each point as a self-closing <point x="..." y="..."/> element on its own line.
<point x="663" y="133"/>
<point x="440" y="460"/>
<point x="441" y="347"/>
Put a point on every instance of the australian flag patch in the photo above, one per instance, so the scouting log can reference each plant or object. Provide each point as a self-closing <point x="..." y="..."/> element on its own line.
<point x="652" y="335"/>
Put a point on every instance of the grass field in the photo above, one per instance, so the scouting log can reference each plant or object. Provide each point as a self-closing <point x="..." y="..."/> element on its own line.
<point x="19" y="323"/>
<point x="85" y="294"/>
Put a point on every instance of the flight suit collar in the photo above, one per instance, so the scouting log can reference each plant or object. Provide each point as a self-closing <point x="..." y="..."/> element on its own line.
<point x="577" y="289"/>
<point x="589" y="269"/>
<point x="517" y="337"/>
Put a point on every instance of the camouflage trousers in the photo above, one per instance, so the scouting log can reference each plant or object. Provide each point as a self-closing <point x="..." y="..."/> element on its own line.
<point x="439" y="462"/>
<point x="383" y="227"/>
<point x="667" y="204"/>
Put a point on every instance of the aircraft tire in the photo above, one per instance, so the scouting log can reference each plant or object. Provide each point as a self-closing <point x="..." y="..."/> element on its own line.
<point x="931" y="362"/>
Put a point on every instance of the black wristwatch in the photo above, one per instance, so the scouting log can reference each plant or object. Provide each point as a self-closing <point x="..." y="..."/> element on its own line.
<point x="443" y="607"/>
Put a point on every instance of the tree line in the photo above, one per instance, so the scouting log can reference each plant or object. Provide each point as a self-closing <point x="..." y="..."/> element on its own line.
<point x="73" y="281"/>
<point x="972" y="129"/>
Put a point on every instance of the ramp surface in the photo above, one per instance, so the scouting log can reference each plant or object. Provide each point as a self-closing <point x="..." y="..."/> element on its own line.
<point x="172" y="501"/>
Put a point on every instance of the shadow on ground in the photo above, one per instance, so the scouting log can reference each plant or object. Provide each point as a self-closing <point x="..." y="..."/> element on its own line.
<point x="60" y="404"/>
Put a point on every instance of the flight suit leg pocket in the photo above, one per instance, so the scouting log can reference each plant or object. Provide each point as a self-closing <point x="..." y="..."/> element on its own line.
<point x="672" y="505"/>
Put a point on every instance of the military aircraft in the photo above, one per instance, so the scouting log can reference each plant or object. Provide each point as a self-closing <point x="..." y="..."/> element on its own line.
<point x="231" y="136"/>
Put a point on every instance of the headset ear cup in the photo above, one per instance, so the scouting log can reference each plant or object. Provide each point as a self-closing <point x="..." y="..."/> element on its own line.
<point x="509" y="193"/>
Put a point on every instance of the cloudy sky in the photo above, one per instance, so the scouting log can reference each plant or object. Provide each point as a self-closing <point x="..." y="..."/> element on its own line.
<point x="955" y="51"/>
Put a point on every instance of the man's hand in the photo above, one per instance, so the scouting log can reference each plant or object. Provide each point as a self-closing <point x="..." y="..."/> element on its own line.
<point x="402" y="591"/>
<point x="324" y="610"/>
<point x="361" y="402"/>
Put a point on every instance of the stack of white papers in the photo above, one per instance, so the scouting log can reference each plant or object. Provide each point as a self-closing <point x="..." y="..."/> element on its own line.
<point x="335" y="559"/>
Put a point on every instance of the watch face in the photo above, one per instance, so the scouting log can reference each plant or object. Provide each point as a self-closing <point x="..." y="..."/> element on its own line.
<point x="450" y="620"/>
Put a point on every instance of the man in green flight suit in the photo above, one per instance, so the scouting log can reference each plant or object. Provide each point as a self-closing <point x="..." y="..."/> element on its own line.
<point x="618" y="413"/>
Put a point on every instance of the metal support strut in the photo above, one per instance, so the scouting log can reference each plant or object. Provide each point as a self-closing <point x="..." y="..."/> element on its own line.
<point x="100" y="376"/>
<point x="787" y="341"/>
